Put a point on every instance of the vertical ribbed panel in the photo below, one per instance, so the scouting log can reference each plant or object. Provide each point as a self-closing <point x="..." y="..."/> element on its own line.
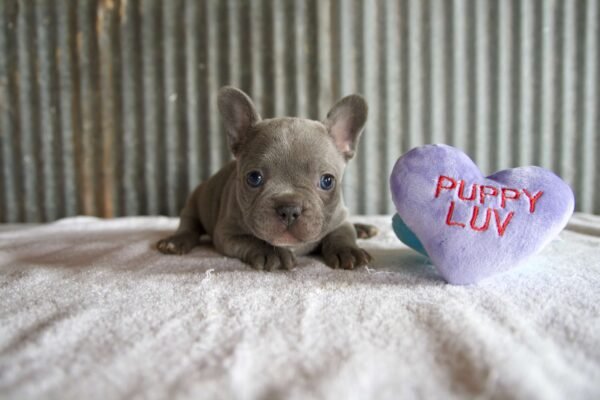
<point x="109" y="107"/>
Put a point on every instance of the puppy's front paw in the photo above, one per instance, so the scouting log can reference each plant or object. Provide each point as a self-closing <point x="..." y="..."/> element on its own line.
<point x="271" y="258"/>
<point x="179" y="244"/>
<point x="348" y="257"/>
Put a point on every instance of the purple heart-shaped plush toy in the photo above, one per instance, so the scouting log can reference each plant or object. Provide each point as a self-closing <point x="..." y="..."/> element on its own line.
<point x="473" y="226"/>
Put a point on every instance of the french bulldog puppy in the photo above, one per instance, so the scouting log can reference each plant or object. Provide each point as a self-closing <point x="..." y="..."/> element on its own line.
<point x="282" y="195"/>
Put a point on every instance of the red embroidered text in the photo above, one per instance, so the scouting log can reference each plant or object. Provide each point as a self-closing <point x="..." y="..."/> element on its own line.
<point x="481" y="216"/>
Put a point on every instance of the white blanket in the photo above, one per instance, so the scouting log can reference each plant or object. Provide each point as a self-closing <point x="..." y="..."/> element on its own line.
<point x="89" y="310"/>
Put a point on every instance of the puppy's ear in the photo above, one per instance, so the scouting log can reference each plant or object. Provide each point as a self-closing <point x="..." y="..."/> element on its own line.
<point x="239" y="115"/>
<point x="345" y="122"/>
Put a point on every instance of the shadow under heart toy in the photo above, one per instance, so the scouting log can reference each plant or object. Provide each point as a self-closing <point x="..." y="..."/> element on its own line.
<point x="471" y="226"/>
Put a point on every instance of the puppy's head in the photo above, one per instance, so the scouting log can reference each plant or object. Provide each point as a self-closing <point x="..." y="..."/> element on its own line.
<point x="289" y="170"/>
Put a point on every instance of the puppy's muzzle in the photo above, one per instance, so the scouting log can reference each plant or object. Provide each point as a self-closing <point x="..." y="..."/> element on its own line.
<point x="288" y="213"/>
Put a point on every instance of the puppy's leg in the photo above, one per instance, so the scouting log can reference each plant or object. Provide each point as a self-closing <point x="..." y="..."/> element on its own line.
<point x="339" y="249"/>
<point x="188" y="233"/>
<point x="365" y="231"/>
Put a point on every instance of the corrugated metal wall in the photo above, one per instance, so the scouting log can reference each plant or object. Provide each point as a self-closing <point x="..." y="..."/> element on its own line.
<point x="108" y="107"/>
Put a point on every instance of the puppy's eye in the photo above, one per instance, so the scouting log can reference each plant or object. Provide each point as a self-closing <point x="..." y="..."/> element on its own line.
<point x="254" y="179"/>
<point x="327" y="182"/>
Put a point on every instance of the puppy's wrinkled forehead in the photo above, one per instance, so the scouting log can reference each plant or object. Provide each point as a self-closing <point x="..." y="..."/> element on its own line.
<point x="292" y="143"/>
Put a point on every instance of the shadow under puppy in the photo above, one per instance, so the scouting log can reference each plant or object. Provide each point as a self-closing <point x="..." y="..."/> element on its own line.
<point x="281" y="196"/>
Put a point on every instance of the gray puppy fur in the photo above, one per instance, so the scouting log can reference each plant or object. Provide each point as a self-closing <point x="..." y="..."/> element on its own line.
<point x="282" y="195"/>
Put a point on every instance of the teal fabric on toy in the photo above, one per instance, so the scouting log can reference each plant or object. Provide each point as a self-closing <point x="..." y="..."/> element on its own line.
<point x="407" y="236"/>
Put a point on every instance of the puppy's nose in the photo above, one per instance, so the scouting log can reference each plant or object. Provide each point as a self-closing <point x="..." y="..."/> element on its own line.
<point x="288" y="213"/>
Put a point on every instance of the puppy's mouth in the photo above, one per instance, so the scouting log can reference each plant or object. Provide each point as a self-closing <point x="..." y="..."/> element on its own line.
<point x="287" y="225"/>
<point x="286" y="239"/>
<point x="296" y="235"/>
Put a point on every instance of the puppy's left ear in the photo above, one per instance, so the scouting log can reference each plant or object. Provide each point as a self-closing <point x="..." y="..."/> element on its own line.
<point x="345" y="123"/>
<point x="239" y="115"/>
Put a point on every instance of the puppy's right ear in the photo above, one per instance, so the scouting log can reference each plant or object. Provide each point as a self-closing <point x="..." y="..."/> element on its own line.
<point x="345" y="122"/>
<point x="239" y="115"/>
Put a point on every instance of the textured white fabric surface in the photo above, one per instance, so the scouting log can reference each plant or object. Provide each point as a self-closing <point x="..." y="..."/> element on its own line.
<point x="89" y="310"/>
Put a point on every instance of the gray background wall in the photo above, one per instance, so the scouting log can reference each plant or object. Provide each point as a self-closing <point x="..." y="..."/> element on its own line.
<point x="108" y="107"/>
